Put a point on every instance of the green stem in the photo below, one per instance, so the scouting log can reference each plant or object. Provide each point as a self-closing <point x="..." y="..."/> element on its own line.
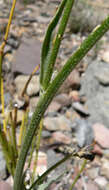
<point x="43" y="176"/>
<point x="1" y="59"/>
<point x="47" y="97"/>
<point x="31" y="152"/>
<point x="37" y="149"/>
<point x="6" y="151"/>
<point x="78" y="175"/>
<point x="13" y="138"/>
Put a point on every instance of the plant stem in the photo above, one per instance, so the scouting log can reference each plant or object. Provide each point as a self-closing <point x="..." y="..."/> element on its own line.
<point x="37" y="149"/>
<point x="28" y="81"/>
<point x="5" y="38"/>
<point x="78" y="175"/>
<point x="43" y="176"/>
<point x="6" y="151"/>
<point x="9" y="24"/>
<point x="3" y="138"/>
<point x="2" y="102"/>
<point x="13" y="136"/>
<point x="47" y="97"/>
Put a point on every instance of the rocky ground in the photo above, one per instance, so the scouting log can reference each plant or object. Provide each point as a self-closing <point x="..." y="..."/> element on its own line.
<point x="79" y="112"/>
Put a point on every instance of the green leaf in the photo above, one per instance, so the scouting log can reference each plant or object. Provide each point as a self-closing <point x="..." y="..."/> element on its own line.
<point x="48" y="40"/>
<point x="54" y="45"/>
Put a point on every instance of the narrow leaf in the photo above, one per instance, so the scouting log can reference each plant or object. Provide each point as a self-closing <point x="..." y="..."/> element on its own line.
<point x="46" y="47"/>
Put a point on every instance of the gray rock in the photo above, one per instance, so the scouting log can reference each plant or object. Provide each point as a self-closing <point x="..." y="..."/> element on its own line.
<point x="7" y="98"/>
<point x="97" y="95"/>
<point x="53" y="158"/>
<point x="3" y="172"/>
<point x="44" y="20"/>
<point x="8" y="49"/>
<point x="46" y="134"/>
<point x="3" y="23"/>
<point x="27" y="56"/>
<point x="103" y="76"/>
<point x="80" y="108"/>
<point x="83" y="131"/>
<point x="13" y="43"/>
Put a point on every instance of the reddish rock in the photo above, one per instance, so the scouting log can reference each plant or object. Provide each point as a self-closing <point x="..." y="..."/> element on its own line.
<point x="63" y="99"/>
<point x="53" y="107"/>
<point x="10" y="181"/>
<point x="5" y="186"/>
<point x="74" y="79"/>
<point x="101" y="135"/>
<point x="97" y="150"/>
<point x="60" y="137"/>
<point x="72" y="82"/>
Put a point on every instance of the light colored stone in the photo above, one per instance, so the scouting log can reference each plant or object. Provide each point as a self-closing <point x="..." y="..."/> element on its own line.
<point x="10" y="181"/>
<point x="74" y="95"/>
<point x="105" y="55"/>
<point x="33" y="103"/>
<point x="101" y="181"/>
<point x="93" y="172"/>
<point x="91" y="186"/>
<point x="61" y="137"/>
<point x="105" y="168"/>
<point x="33" y="87"/>
<point x="57" y="123"/>
<point x="2" y="166"/>
<point x="41" y="163"/>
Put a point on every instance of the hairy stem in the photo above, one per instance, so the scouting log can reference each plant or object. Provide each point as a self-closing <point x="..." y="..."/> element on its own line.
<point x="47" y="97"/>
